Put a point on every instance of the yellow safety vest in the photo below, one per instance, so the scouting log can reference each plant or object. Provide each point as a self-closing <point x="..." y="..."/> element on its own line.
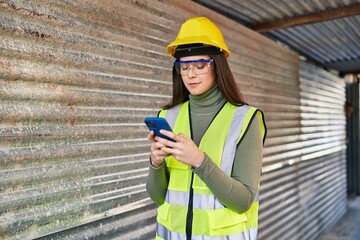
<point x="211" y="219"/>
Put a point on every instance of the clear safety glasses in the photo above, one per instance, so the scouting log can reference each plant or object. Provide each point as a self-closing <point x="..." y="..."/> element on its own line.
<point x="198" y="67"/>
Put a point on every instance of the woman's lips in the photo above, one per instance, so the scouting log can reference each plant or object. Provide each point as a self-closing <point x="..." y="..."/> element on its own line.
<point x="193" y="84"/>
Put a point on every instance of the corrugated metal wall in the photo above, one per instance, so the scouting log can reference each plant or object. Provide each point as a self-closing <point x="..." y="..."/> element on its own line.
<point x="322" y="183"/>
<point x="77" y="79"/>
<point x="304" y="180"/>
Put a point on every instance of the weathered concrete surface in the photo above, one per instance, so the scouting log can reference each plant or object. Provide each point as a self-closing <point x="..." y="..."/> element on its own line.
<point x="348" y="227"/>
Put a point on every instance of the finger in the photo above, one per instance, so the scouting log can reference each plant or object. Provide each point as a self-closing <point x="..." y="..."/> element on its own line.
<point x="151" y="136"/>
<point x="171" y="151"/>
<point x="165" y="143"/>
<point x="181" y="135"/>
<point x="168" y="134"/>
<point x="159" y="152"/>
<point x="159" y="143"/>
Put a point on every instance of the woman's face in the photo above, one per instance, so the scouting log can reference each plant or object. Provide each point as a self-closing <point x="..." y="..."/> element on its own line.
<point x="197" y="73"/>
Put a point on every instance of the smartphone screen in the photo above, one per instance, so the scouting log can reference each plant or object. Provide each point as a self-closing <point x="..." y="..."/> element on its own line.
<point x="156" y="124"/>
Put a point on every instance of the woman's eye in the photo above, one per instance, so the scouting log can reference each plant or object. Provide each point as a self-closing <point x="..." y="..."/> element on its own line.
<point x="200" y="66"/>
<point x="184" y="67"/>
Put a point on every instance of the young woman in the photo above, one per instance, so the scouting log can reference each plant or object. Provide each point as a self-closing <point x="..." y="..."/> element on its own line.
<point x="206" y="181"/>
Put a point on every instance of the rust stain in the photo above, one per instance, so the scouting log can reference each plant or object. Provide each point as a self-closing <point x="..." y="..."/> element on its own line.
<point x="37" y="34"/>
<point x="25" y="11"/>
<point x="72" y="116"/>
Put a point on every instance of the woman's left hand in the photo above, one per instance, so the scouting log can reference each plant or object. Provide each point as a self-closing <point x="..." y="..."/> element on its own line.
<point x="183" y="149"/>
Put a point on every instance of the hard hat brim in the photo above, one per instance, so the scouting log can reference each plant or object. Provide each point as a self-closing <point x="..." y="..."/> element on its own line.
<point x="171" y="48"/>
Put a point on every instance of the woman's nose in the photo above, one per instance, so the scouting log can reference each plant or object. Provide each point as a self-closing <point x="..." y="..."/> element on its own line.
<point x="191" y="73"/>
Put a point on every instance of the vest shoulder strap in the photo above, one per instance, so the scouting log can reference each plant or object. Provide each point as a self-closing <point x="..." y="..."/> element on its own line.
<point x="251" y="113"/>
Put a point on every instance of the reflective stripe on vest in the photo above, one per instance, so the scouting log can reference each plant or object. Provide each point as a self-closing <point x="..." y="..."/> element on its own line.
<point x="207" y="202"/>
<point x="164" y="234"/>
<point x="211" y="218"/>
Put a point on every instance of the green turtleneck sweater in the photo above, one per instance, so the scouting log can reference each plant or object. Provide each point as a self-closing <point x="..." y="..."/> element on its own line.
<point x="236" y="191"/>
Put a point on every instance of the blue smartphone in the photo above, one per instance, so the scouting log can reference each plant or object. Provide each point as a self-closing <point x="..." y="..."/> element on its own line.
<point x="156" y="124"/>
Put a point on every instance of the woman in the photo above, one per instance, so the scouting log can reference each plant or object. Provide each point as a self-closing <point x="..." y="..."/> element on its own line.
<point x="206" y="182"/>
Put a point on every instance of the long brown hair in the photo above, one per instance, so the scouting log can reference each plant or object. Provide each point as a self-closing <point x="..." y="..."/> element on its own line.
<point x="225" y="81"/>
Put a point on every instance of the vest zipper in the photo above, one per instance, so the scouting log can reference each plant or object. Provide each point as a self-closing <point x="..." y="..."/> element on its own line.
<point x="189" y="216"/>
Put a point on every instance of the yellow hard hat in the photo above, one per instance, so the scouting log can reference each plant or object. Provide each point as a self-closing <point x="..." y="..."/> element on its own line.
<point x="199" y="30"/>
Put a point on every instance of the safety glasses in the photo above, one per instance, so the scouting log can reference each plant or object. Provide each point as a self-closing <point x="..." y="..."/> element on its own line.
<point x="198" y="67"/>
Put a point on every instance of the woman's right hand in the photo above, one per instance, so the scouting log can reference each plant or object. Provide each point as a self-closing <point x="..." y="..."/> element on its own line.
<point x="157" y="156"/>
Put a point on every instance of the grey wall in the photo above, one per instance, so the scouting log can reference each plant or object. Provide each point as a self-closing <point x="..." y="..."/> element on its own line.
<point x="304" y="175"/>
<point x="78" y="77"/>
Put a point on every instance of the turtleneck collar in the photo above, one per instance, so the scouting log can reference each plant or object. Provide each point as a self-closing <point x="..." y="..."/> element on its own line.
<point x="206" y="101"/>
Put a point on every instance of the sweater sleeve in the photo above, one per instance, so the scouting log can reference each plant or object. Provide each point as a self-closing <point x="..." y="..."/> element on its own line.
<point x="238" y="191"/>
<point x="157" y="182"/>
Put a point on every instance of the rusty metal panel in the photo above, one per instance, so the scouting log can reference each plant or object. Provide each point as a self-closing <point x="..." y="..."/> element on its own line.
<point x="78" y="77"/>
<point x="75" y="86"/>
